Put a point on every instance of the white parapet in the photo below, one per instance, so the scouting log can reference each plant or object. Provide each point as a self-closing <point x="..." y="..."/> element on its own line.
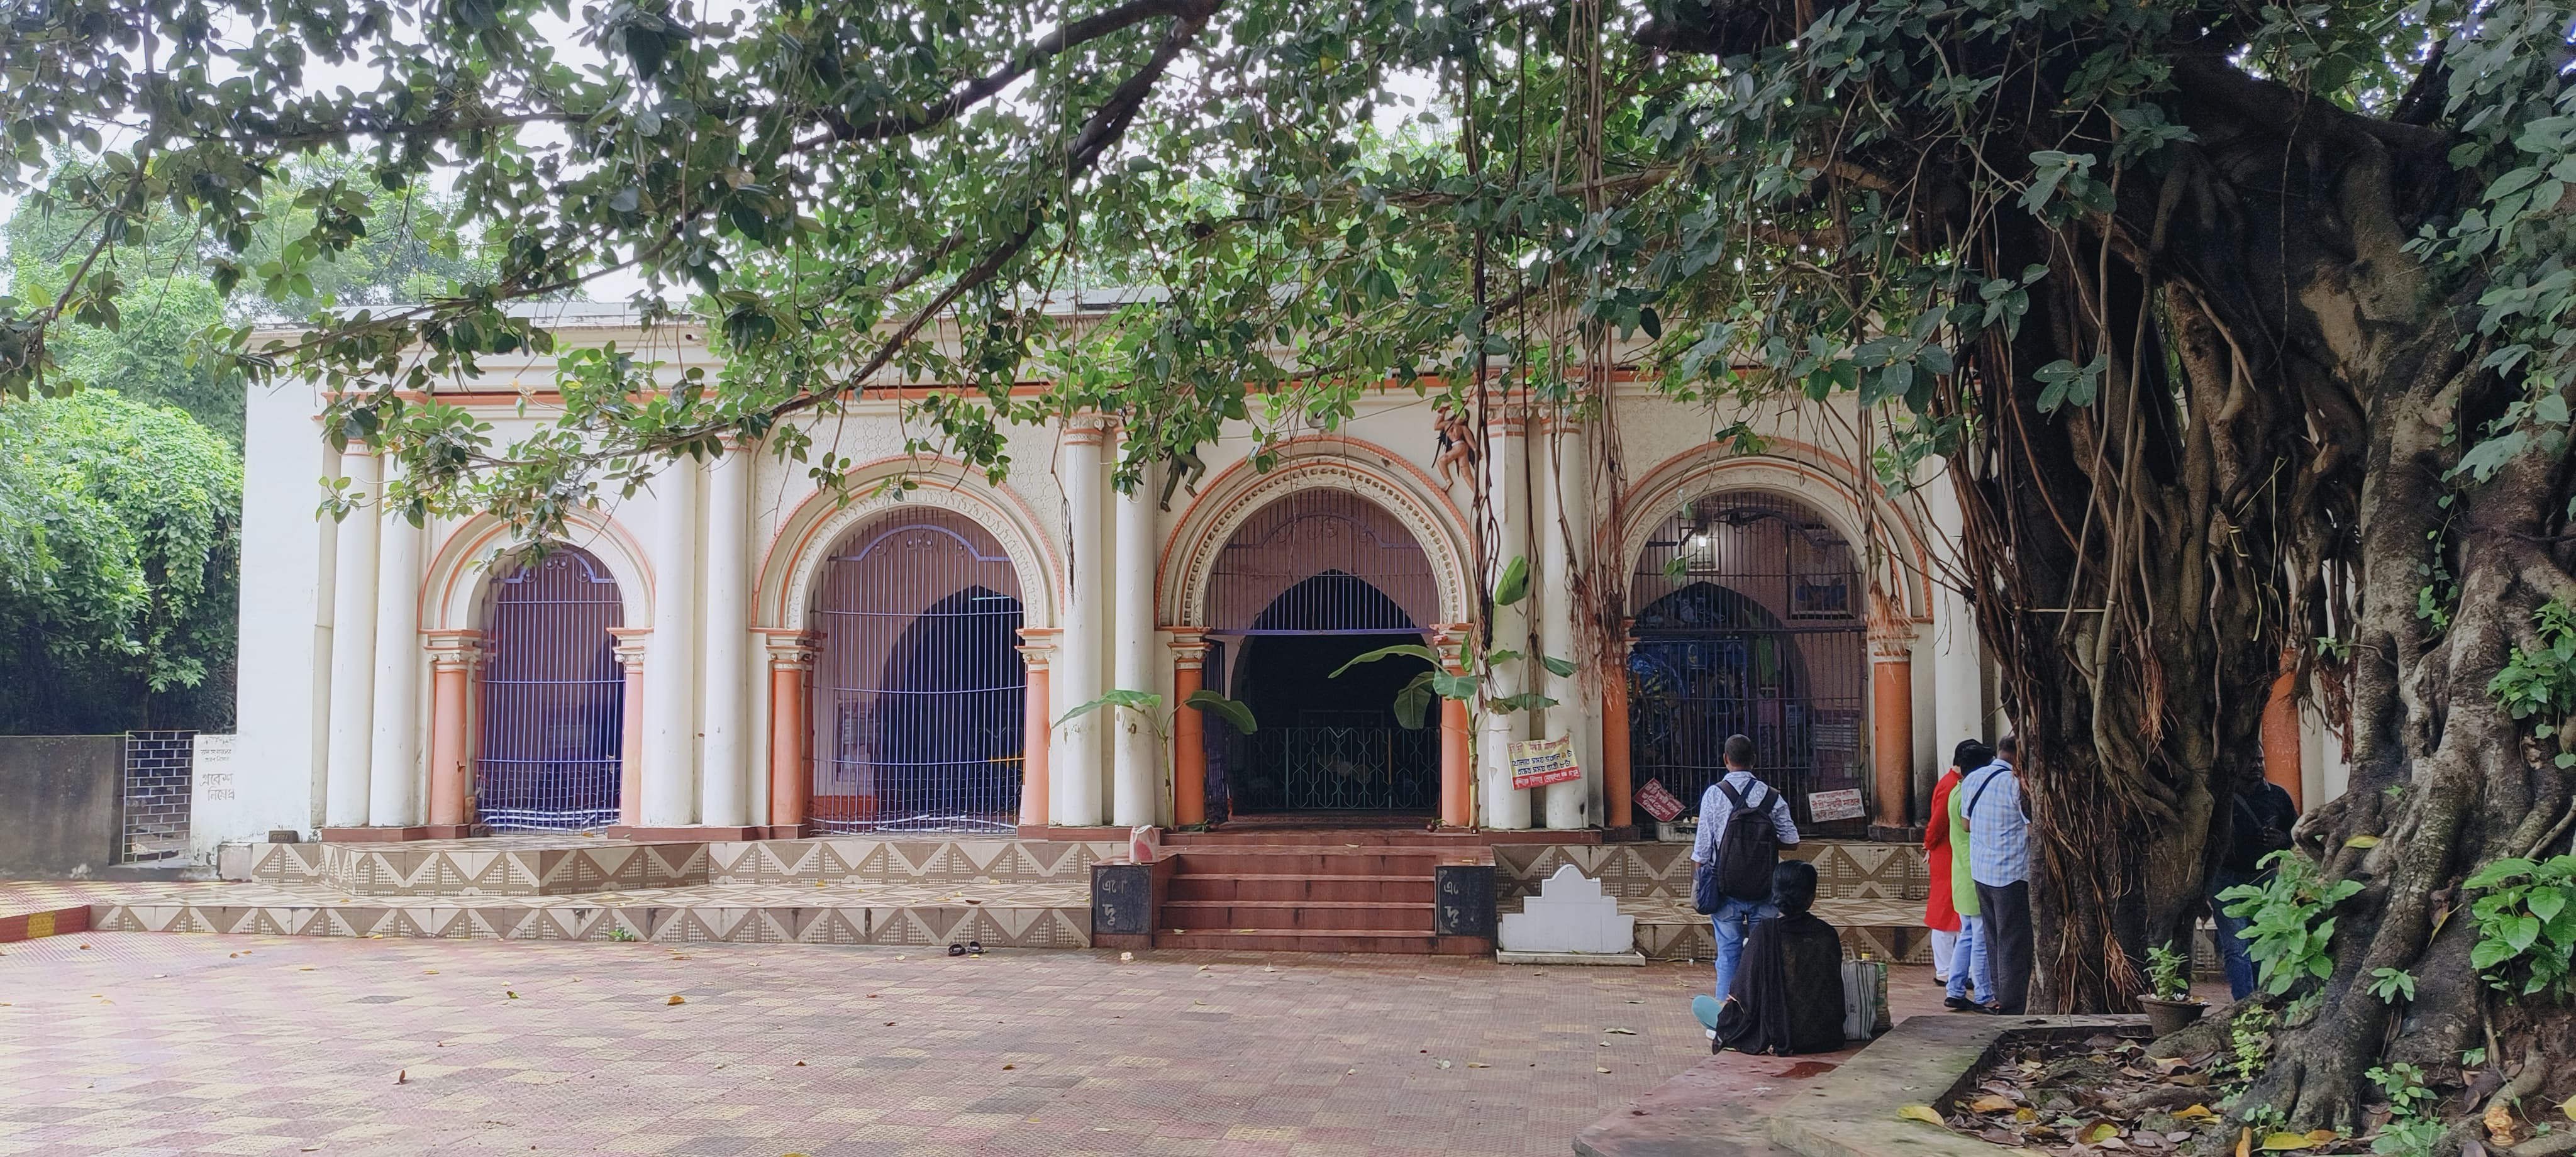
<point x="1569" y="914"/>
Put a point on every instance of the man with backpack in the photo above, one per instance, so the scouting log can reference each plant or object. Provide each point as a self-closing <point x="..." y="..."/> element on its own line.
<point x="1743" y="824"/>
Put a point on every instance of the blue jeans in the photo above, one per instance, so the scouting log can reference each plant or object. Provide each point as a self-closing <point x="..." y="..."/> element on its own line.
<point x="1968" y="961"/>
<point x="2231" y="933"/>
<point x="1733" y="921"/>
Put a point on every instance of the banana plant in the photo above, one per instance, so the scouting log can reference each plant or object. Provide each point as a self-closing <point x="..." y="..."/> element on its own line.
<point x="1145" y="703"/>
<point x="1413" y="703"/>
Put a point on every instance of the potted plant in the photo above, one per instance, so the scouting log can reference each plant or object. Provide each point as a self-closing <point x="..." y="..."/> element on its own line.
<point x="2168" y="1001"/>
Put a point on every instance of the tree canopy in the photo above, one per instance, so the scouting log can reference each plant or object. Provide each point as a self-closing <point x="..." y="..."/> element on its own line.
<point x="2244" y="332"/>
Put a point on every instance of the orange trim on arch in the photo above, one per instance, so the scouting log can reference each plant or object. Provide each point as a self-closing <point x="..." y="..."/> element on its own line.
<point x="779" y="556"/>
<point x="1226" y="479"/>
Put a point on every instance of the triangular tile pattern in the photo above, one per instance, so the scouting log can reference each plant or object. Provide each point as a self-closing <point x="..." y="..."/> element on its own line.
<point x="1845" y="870"/>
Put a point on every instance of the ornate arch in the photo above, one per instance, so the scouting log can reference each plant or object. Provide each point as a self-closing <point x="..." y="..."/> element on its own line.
<point x="454" y="588"/>
<point x="784" y="597"/>
<point x="1334" y="463"/>
<point x="1819" y="484"/>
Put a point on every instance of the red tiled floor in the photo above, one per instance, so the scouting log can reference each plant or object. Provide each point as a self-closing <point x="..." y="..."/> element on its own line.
<point x="151" y="1043"/>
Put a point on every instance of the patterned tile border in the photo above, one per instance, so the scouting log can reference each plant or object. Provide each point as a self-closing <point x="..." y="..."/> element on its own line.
<point x="1002" y="916"/>
<point x="1846" y="870"/>
<point x="560" y="866"/>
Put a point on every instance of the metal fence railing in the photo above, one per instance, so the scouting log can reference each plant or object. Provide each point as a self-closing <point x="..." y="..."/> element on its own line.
<point x="920" y="694"/>
<point x="553" y="698"/>
<point x="1747" y="623"/>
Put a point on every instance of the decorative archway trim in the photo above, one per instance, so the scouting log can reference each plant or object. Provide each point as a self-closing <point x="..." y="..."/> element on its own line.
<point x="795" y="555"/>
<point x="452" y="590"/>
<point x="1321" y="462"/>
<point x="1805" y="474"/>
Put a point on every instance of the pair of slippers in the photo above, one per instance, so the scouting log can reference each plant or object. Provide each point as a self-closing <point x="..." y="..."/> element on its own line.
<point x="969" y="948"/>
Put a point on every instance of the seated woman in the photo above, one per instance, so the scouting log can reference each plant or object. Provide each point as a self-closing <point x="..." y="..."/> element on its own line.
<point x="1788" y="994"/>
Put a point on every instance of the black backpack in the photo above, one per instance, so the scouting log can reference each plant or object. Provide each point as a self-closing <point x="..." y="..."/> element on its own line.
<point x="1748" y="847"/>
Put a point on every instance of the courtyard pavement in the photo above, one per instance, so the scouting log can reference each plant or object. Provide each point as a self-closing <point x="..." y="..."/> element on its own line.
<point x="152" y="1043"/>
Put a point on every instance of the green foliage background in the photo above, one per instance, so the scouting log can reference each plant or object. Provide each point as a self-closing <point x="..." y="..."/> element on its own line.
<point x="120" y="541"/>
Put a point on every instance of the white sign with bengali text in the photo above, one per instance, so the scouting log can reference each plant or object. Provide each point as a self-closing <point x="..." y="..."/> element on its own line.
<point x="1823" y="806"/>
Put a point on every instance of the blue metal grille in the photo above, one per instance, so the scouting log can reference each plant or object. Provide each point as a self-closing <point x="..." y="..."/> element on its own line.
<point x="1309" y="582"/>
<point x="1748" y="625"/>
<point x="920" y="692"/>
<point x="554" y="698"/>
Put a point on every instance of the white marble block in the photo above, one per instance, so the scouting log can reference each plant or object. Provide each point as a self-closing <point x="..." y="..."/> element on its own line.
<point x="1569" y="914"/>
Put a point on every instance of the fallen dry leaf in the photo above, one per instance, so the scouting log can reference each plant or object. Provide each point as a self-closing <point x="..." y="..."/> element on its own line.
<point x="1621" y="1031"/>
<point x="1599" y="1069"/>
<point x="2362" y="842"/>
<point x="400" y="1075"/>
<point x="2284" y="1142"/>
<point x="2568" y="1107"/>
<point x="1924" y="1113"/>
<point x="1990" y="1103"/>
<point x="676" y="998"/>
<point x="1005" y="1068"/>
<point x="2194" y="1113"/>
<point x="1478" y="1065"/>
<point x="2098" y="1132"/>
<point x="2244" y="1142"/>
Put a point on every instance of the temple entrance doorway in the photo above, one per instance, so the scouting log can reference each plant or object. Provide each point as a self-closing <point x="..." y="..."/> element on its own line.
<point x="1309" y="583"/>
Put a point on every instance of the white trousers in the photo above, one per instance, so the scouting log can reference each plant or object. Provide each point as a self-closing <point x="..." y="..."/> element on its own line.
<point x="1943" y="945"/>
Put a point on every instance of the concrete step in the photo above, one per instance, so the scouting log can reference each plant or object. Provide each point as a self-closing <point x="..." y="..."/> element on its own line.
<point x="1408" y="889"/>
<point x="1298" y="915"/>
<point x="1265" y="861"/>
<point x="1323" y="940"/>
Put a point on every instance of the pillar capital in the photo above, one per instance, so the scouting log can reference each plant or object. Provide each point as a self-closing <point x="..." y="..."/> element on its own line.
<point x="1189" y="647"/>
<point x="451" y="649"/>
<point x="629" y="645"/>
<point x="791" y="650"/>
<point x="1091" y="429"/>
<point x="1037" y="646"/>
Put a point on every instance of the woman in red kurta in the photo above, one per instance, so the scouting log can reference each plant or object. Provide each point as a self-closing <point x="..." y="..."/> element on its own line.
<point x="1939" y="914"/>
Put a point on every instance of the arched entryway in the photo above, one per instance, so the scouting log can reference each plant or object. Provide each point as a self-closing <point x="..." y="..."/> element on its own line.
<point x="553" y="697"/>
<point x="919" y="689"/>
<point x="1748" y="619"/>
<point x="1307" y="583"/>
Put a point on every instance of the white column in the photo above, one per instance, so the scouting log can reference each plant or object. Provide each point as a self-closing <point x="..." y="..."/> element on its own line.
<point x="1082" y="664"/>
<point x="724" y="796"/>
<point x="1137" y="776"/>
<point x="1562" y="488"/>
<point x="1507" y="494"/>
<point x="670" y="668"/>
<point x="1958" y="673"/>
<point x="353" y="650"/>
<point x="394" y="783"/>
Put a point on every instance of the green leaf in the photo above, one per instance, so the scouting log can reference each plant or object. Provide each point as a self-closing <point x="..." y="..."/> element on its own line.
<point x="1414" y="701"/>
<point x="1450" y="686"/>
<point x="1514" y="585"/>
<point x="1132" y="700"/>
<point x="1414" y="650"/>
<point x="1227" y="709"/>
<point x="1563" y="668"/>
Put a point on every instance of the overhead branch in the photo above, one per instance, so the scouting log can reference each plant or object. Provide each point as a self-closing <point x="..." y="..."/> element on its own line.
<point x="907" y="122"/>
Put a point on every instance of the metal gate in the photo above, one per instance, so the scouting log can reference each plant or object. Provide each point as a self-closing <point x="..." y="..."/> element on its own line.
<point x="1308" y="582"/>
<point x="919" y="692"/>
<point x="160" y="772"/>
<point x="1748" y="622"/>
<point x="554" y="699"/>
